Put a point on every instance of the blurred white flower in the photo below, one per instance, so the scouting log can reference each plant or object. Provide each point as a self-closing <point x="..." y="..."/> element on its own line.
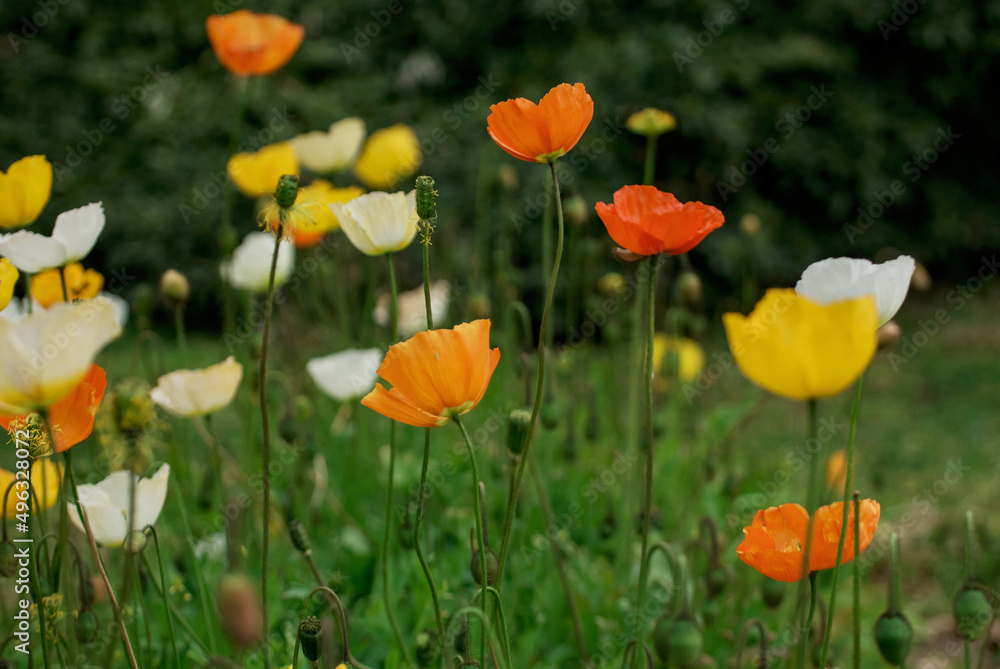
<point x="74" y="235"/>
<point x="837" y="279"/>
<point x="251" y="263"/>
<point x="413" y="309"/>
<point x="332" y="151"/>
<point x="196" y="392"/>
<point x="379" y="223"/>
<point x="348" y="374"/>
<point x="107" y="504"/>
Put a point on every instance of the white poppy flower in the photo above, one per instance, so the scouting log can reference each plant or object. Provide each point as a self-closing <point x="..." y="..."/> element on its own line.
<point x="347" y="374"/>
<point x="251" y="263"/>
<point x="196" y="392"/>
<point x="74" y="235"/>
<point x="379" y="223"/>
<point x="332" y="151"/>
<point x="413" y="309"/>
<point x="107" y="504"/>
<point x="47" y="353"/>
<point x="838" y="279"/>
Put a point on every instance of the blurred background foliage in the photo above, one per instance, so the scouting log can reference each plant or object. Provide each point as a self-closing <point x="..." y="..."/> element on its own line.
<point x="136" y="87"/>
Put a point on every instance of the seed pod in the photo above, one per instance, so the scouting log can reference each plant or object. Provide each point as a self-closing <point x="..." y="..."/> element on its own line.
<point x="240" y="611"/>
<point x="492" y="567"/>
<point x="893" y="636"/>
<point x="517" y="430"/>
<point x="425" y="196"/>
<point x="972" y="612"/>
<point x="772" y="592"/>
<point x="287" y="190"/>
<point x="309" y="634"/>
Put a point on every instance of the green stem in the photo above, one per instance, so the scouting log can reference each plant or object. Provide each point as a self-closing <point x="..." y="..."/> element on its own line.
<point x="649" y="171"/>
<point x="175" y="614"/>
<point x="812" y="604"/>
<point x="163" y="594"/>
<point x="848" y="485"/>
<point x="647" y="505"/>
<point x="543" y="329"/>
<point x="198" y="576"/>
<point x="480" y="537"/>
<point x="266" y="439"/>
<point x="895" y="585"/>
<point x="812" y="495"/>
<point x="970" y="573"/>
<point x="62" y="281"/>
<point x="387" y="534"/>
<point x="179" y="328"/>
<point x="856" y="613"/>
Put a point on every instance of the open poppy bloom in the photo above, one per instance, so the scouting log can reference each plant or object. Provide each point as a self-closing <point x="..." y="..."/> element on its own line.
<point x="776" y="541"/>
<point x="435" y="375"/>
<point x="543" y="132"/>
<point x="74" y="235"/>
<point x="72" y="417"/>
<point x="802" y="350"/>
<point x="197" y="392"/>
<point x="47" y="286"/>
<point x="24" y="190"/>
<point x="108" y="504"/>
<point x="647" y="221"/>
<point x="251" y="44"/>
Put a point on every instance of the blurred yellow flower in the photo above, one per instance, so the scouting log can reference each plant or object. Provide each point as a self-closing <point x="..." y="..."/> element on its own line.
<point x="389" y="154"/>
<point x="47" y="288"/>
<point x="8" y="279"/>
<point x="676" y="358"/>
<point x="651" y="122"/>
<point x="612" y="283"/>
<point x="836" y="470"/>
<point x="256" y="174"/>
<point x="310" y="217"/>
<point x="24" y="191"/>
<point x="331" y="151"/>
<point x="45" y="478"/>
<point x="799" y="349"/>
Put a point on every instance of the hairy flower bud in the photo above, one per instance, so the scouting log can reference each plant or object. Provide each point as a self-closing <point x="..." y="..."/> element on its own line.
<point x="426" y="207"/>
<point x="309" y="634"/>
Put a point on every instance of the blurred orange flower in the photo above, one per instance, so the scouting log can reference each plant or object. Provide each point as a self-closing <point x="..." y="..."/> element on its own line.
<point x="436" y="375"/>
<point x="648" y="221"/>
<point x="251" y="44"/>
<point x="47" y="288"/>
<point x="73" y="416"/>
<point x="775" y="542"/>
<point x="543" y="132"/>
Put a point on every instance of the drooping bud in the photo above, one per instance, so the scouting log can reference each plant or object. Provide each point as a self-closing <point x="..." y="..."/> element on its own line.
<point x="893" y="636"/>
<point x="240" y="612"/>
<point x="651" y="122"/>
<point x="309" y="634"/>
<point x="300" y="536"/>
<point x="549" y="415"/>
<point x="492" y="567"/>
<point x="426" y="196"/>
<point x="287" y="190"/>
<point x="517" y="430"/>
<point x="174" y="288"/>
<point x="86" y="625"/>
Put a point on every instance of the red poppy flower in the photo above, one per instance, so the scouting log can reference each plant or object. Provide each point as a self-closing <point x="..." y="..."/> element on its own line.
<point x="648" y="221"/>
<point x="543" y="132"/>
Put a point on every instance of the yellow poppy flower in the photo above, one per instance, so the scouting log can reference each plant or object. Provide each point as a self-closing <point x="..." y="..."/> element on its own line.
<point x="686" y="360"/>
<point x="651" y="122"/>
<point x="45" y="478"/>
<point x="47" y="288"/>
<point x="8" y="279"/>
<point x="799" y="349"/>
<point x="388" y="155"/>
<point x="24" y="191"/>
<point x="256" y="174"/>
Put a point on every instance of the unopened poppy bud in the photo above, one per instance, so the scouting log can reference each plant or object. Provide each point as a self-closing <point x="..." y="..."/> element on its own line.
<point x="240" y="612"/>
<point x="426" y="195"/>
<point x="517" y="430"/>
<point x="921" y="279"/>
<point x="492" y="568"/>
<point x="86" y="626"/>
<point x="135" y="542"/>
<point x="624" y="255"/>
<point x="893" y="636"/>
<point x="287" y="191"/>
<point x="688" y="289"/>
<point x="772" y="592"/>
<point x="678" y="642"/>
<point x="972" y="612"/>
<point x="8" y="563"/>
<point x="288" y="428"/>
<point x="175" y="288"/>
<point x="750" y="225"/>
<point x="717" y="581"/>
<point x="428" y="648"/>
<point x="575" y="210"/>
<point x="309" y="632"/>
<point x="888" y="334"/>
<point x="651" y="122"/>
<point x="300" y="536"/>
<point x="549" y="415"/>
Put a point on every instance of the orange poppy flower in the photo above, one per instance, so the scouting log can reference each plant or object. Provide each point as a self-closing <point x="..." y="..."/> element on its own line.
<point x="543" y="132"/>
<point x="648" y="221"/>
<point x="251" y="44"/>
<point x="435" y="375"/>
<point x="73" y="416"/>
<point x="775" y="542"/>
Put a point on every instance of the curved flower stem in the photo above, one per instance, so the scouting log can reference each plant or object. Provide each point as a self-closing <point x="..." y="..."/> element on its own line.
<point x="502" y="619"/>
<point x="856" y="612"/>
<point x="647" y="505"/>
<point x="753" y="622"/>
<point x="508" y="522"/>
<point x="480" y="538"/>
<point x="848" y="485"/>
<point x="163" y="594"/>
<point x="179" y="328"/>
<point x="812" y="495"/>
<point x="387" y="535"/>
<point x="265" y="422"/>
<point x="478" y="613"/>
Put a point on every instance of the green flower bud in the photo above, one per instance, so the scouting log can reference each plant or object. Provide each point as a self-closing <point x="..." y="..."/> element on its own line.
<point x="678" y="642"/>
<point x="893" y="636"/>
<point x="549" y="415"/>
<point x="135" y="542"/>
<point x="175" y="288"/>
<point x="300" y="536"/>
<point x="492" y="568"/>
<point x="772" y="592"/>
<point x="972" y="612"/>
<point x="576" y="210"/>
<point x="287" y="191"/>
<point x="716" y="581"/>
<point x="517" y="430"/>
<point x="309" y="632"/>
